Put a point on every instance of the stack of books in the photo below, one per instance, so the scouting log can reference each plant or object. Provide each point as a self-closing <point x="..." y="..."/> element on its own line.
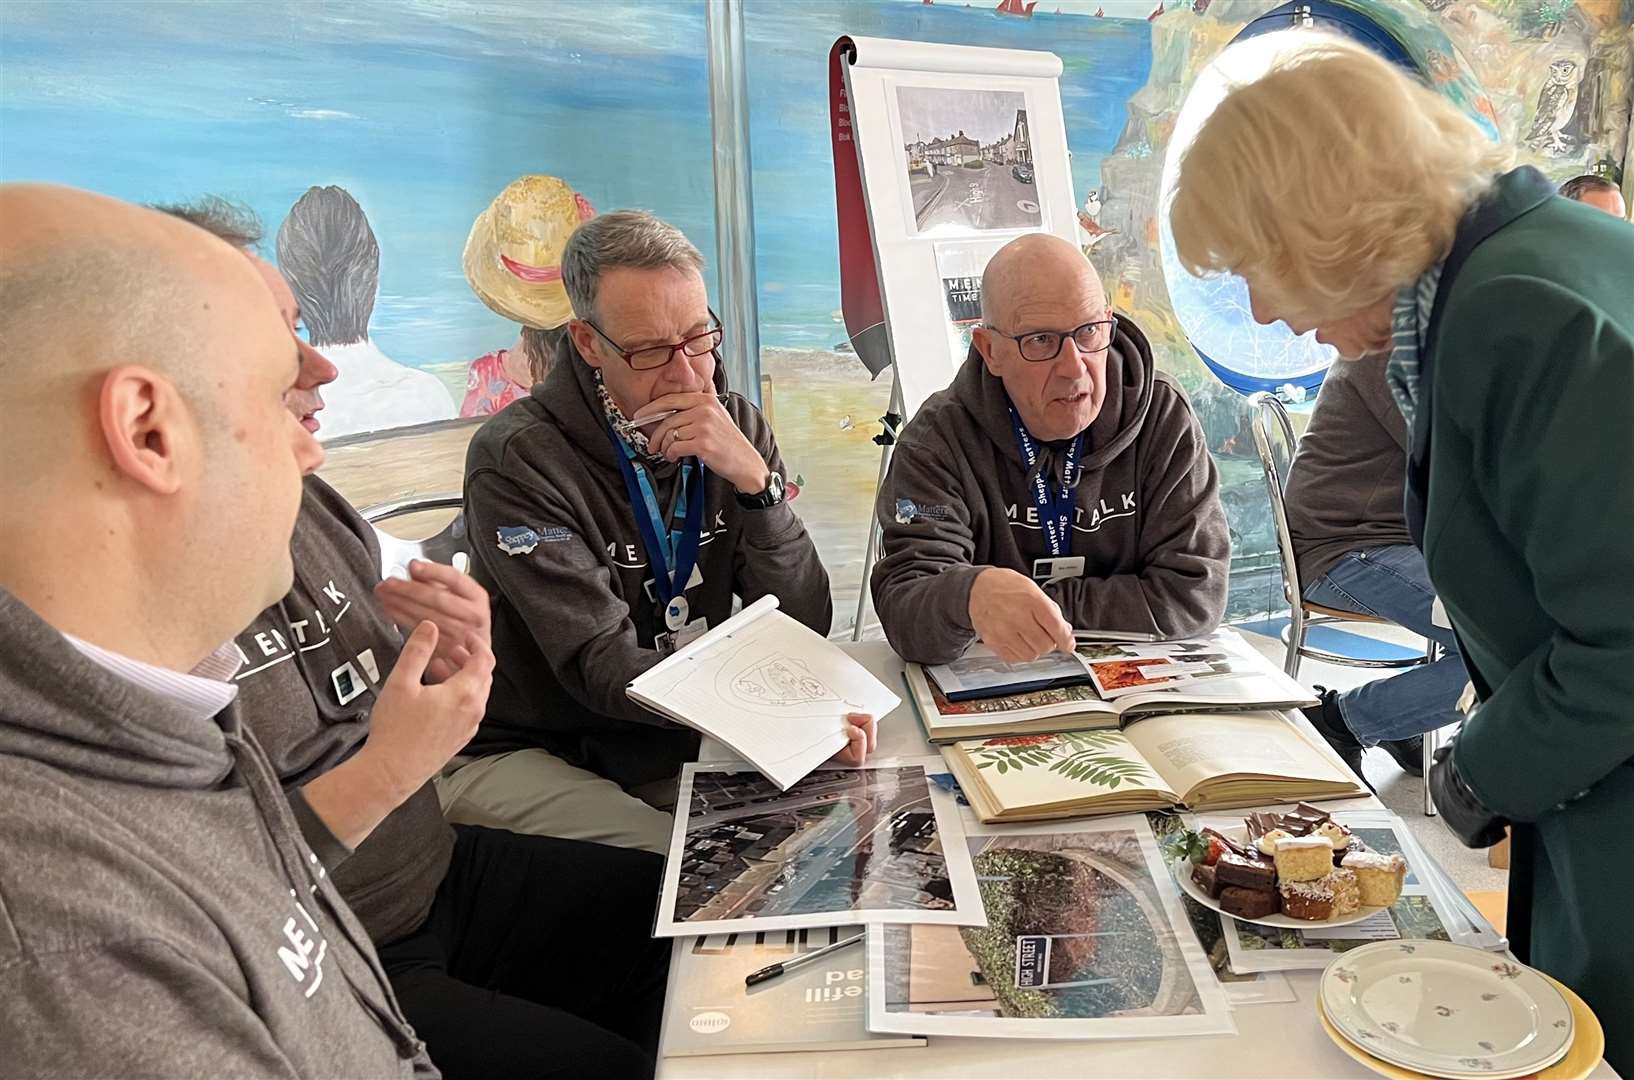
<point x="1116" y="728"/>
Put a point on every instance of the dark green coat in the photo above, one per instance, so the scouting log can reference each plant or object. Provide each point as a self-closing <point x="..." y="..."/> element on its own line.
<point x="1521" y="492"/>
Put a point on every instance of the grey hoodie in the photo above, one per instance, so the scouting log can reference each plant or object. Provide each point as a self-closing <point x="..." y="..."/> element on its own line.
<point x="1148" y="519"/>
<point x="555" y="542"/>
<point x="159" y="914"/>
<point x="1348" y="481"/>
<point x="313" y="665"/>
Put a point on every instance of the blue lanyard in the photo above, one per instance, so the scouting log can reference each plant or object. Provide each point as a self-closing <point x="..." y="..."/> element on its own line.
<point x="1055" y="504"/>
<point x="673" y="553"/>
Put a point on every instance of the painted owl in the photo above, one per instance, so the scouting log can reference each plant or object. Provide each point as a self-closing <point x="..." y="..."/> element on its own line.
<point x="1556" y="102"/>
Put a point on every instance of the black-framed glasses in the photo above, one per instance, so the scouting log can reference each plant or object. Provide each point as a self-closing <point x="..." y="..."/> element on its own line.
<point x="1042" y="346"/>
<point x="656" y="356"/>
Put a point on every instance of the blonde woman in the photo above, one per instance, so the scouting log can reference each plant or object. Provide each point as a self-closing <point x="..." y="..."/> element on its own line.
<point x="1357" y="203"/>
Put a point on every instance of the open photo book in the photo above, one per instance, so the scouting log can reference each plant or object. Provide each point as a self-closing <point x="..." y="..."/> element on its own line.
<point x="1102" y="685"/>
<point x="1191" y="761"/>
<point x="766" y="686"/>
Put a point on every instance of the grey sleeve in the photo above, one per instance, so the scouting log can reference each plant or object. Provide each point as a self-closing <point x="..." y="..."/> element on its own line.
<point x="563" y="591"/>
<point x="1185" y="544"/>
<point x="325" y="844"/>
<point x="777" y="556"/>
<point x="1373" y="389"/>
<point x="921" y="583"/>
<point x="135" y="1009"/>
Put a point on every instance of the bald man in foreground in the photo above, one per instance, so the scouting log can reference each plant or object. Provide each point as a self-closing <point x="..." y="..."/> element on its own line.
<point x="1061" y="482"/>
<point x="160" y="914"/>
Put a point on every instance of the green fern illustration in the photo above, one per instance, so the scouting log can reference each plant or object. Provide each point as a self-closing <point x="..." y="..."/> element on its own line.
<point x="1082" y="756"/>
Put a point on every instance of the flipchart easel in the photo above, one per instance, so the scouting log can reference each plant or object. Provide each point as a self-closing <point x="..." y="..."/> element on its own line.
<point x="891" y="273"/>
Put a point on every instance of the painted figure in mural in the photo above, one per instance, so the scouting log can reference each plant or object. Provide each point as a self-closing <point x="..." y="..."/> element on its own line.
<point x="1590" y="122"/>
<point x="617" y="513"/>
<point x="357" y="722"/>
<point x="513" y="263"/>
<point x="1508" y="314"/>
<point x="1557" y="101"/>
<point x="163" y="914"/>
<point x="1062" y="482"/>
<point x="329" y="254"/>
<point x="1091" y="232"/>
<point x="1596" y="191"/>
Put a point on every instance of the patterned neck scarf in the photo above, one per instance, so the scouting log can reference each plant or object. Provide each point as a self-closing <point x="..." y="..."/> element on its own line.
<point x="633" y="437"/>
<point x="1409" y="320"/>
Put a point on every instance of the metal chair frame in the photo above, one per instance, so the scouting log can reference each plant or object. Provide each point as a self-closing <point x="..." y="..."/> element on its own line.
<point x="1303" y="614"/>
<point x="450" y="546"/>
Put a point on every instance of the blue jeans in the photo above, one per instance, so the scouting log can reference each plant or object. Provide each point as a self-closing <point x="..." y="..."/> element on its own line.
<point x="1393" y="583"/>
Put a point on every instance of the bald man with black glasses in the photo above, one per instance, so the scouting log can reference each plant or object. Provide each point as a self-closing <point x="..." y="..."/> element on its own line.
<point x="1061" y="482"/>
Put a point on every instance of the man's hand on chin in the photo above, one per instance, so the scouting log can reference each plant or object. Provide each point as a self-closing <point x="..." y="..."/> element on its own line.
<point x="702" y="428"/>
<point x="1015" y="618"/>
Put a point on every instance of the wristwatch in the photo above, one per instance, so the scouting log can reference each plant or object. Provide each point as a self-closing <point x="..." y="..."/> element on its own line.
<point x="765" y="499"/>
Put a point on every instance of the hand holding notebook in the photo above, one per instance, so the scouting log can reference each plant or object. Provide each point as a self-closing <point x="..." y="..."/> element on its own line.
<point x="769" y="688"/>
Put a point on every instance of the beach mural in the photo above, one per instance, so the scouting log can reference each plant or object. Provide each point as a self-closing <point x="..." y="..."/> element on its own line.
<point x="369" y="137"/>
<point x="389" y="145"/>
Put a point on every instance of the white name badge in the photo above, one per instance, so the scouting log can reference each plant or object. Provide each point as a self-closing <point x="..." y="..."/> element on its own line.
<point x="669" y="642"/>
<point x="1059" y="568"/>
<point x="695" y="579"/>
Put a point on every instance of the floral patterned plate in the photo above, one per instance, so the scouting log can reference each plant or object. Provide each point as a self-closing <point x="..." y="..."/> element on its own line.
<point x="1447" y="1010"/>
<point x="1588" y="1045"/>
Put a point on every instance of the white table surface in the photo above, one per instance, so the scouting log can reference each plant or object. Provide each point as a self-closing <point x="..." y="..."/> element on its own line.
<point x="1272" y="1041"/>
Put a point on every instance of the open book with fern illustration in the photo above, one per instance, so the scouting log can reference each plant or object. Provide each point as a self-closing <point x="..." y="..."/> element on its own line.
<point x="1195" y="761"/>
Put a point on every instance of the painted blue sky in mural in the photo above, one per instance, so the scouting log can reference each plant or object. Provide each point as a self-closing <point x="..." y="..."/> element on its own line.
<point x="425" y="109"/>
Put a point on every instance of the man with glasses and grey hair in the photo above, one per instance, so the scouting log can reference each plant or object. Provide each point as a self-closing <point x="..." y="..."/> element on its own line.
<point x="1061" y="482"/>
<point x="615" y="514"/>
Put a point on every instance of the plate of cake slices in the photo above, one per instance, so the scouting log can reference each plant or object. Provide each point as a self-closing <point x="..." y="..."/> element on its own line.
<point x="1298" y="869"/>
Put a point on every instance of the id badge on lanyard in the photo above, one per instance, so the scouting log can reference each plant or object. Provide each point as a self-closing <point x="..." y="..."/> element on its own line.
<point x="1053" y="503"/>
<point x="673" y="558"/>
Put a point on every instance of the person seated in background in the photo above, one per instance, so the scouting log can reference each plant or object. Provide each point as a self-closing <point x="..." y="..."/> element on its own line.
<point x="1349" y="527"/>
<point x="1060" y="482"/>
<point x="616" y="514"/>
<point x="482" y="944"/>
<point x="162" y="915"/>
<point x="1596" y="191"/>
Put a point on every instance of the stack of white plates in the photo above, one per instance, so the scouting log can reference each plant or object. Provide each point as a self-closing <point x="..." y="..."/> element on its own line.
<point x="1447" y="1010"/>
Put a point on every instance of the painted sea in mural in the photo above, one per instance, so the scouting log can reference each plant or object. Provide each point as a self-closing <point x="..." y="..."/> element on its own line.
<point x="424" y="111"/>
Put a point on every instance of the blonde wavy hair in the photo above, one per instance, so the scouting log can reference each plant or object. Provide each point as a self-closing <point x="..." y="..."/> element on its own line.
<point x="1329" y="182"/>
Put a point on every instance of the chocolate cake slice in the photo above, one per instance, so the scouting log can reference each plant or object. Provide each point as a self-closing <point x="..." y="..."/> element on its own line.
<point x="1246" y="871"/>
<point x="1248" y="903"/>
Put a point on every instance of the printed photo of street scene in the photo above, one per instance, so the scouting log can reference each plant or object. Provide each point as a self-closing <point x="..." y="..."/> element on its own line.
<point x="839" y="841"/>
<point x="1076" y="931"/>
<point x="969" y="157"/>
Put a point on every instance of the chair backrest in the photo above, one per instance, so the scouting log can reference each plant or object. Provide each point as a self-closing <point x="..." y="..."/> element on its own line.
<point x="1274" y="440"/>
<point x="449" y="546"/>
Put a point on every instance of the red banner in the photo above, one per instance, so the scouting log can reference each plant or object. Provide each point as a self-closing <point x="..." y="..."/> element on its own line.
<point x="860" y="301"/>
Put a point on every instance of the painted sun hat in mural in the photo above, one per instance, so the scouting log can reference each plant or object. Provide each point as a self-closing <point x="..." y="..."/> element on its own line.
<point x="513" y="257"/>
